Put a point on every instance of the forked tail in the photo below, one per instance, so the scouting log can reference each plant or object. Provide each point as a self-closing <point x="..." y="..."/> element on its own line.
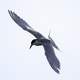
<point x="52" y="42"/>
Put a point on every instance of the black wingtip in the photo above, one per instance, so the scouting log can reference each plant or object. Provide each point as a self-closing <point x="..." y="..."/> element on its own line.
<point x="56" y="70"/>
<point x="9" y="11"/>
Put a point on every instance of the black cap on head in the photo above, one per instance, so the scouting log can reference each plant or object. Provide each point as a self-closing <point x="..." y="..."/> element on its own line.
<point x="32" y="42"/>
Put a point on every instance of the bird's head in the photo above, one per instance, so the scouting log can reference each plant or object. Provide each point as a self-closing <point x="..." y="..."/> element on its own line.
<point x="33" y="42"/>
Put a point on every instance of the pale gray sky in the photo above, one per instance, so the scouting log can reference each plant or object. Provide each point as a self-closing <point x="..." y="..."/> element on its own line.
<point x="17" y="61"/>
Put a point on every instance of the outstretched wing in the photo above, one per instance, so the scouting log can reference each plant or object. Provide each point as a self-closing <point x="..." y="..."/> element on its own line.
<point x="51" y="57"/>
<point x="24" y="25"/>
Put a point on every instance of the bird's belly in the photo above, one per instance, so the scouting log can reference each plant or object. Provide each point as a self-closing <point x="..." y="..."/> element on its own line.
<point x="38" y="43"/>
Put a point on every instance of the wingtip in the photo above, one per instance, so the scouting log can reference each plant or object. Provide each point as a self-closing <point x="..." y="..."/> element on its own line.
<point x="10" y="12"/>
<point x="57" y="71"/>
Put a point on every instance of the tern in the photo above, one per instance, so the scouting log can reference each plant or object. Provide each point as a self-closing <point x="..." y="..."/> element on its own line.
<point x="47" y="44"/>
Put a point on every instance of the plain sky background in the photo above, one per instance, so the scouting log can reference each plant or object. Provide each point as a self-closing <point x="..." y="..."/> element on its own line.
<point x="61" y="17"/>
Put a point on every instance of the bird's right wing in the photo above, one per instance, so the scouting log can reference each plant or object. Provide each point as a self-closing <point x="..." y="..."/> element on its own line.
<point x="51" y="57"/>
<point x="24" y="25"/>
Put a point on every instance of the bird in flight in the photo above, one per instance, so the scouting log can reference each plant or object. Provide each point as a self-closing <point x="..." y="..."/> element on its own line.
<point x="47" y="44"/>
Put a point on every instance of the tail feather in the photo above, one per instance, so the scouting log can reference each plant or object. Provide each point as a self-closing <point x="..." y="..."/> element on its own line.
<point x="53" y="43"/>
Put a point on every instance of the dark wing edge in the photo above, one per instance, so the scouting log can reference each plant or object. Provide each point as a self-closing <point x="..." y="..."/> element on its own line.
<point x="24" y="25"/>
<point x="51" y="57"/>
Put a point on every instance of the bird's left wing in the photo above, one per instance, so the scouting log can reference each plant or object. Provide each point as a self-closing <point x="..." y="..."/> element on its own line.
<point x="51" y="57"/>
<point x="24" y="25"/>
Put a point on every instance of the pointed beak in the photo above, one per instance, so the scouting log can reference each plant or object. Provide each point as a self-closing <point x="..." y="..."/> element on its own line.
<point x="30" y="46"/>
